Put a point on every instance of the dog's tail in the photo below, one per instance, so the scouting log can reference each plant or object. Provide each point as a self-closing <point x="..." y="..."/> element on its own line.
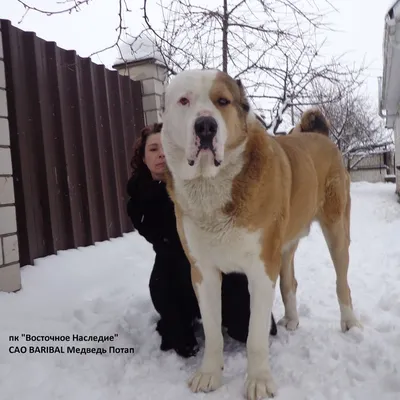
<point x="313" y="120"/>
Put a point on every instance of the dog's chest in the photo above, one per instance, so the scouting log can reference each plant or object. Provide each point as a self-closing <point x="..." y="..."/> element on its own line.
<point x="231" y="250"/>
<point x="212" y="236"/>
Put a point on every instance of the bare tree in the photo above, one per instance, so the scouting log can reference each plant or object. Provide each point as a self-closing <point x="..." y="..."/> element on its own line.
<point x="71" y="6"/>
<point x="355" y="126"/>
<point x="62" y="7"/>
<point x="273" y="46"/>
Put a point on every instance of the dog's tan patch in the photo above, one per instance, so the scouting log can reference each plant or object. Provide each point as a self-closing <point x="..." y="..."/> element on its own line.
<point x="286" y="183"/>
<point x="224" y="87"/>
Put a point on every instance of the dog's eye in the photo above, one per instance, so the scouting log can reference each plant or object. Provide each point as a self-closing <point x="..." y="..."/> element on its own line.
<point x="184" y="101"/>
<point x="223" y="102"/>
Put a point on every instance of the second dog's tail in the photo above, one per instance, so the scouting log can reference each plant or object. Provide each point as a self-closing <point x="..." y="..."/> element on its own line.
<point x="314" y="120"/>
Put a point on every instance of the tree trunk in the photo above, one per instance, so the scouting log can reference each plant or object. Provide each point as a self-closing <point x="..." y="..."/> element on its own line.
<point x="292" y="115"/>
<point x="225" y="26"/>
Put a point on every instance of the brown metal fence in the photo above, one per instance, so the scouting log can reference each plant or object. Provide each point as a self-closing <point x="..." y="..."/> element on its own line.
<point x="72" y="125"/>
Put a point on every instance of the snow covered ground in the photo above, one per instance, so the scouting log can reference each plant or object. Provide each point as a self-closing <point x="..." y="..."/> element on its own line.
<point x="102" y="290"/>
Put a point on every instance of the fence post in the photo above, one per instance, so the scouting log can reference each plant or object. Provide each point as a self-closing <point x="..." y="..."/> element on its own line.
<point x="10" y="274"/>
<point x="152" y="74"/>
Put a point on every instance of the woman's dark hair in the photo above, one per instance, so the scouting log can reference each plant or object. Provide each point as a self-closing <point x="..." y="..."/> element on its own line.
<point x="137" y="164"/>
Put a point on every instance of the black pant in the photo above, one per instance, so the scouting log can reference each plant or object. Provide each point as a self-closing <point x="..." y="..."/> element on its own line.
<point x="236" y="306"/>
<point x="174" y="299"/>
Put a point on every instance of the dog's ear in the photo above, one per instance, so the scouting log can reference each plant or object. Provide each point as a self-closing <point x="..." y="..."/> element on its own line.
<point x="157" y="127"/>
<point x="244" y="103"/>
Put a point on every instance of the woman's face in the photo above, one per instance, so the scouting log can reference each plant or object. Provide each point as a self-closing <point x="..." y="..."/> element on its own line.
<point x="154" y="156"/>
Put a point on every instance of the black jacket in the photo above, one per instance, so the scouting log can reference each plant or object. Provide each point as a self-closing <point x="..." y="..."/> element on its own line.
<point x="152" y="213"/>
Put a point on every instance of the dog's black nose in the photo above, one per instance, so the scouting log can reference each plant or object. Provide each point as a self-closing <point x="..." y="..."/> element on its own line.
<point x="205" y="128"/>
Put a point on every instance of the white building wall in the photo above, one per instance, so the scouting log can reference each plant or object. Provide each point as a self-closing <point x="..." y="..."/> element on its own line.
<point x="10" y="275"/>
<point x="397" y="152"/>
<point x="368" y="175"/>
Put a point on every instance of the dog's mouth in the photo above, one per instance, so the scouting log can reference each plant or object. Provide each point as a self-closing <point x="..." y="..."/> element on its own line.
<point x="206" y="147"/>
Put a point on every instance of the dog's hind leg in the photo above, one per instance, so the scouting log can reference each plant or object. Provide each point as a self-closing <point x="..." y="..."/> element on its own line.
<point x="335" y="225"/>
<point x="288" y="287"/>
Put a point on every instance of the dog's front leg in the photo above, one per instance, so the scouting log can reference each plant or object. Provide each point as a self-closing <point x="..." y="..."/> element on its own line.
<point x="208" y="289"/>
<point x="259" y="382"/>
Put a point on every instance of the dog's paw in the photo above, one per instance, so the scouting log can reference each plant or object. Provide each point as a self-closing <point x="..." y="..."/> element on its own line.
<point x="291" y="324"/>
<point x="260" y="387"/>
<point x="205" y="381"/>
<point x="346" y="325"/>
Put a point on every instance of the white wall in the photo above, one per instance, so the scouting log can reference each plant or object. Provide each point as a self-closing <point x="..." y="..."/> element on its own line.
<point x="152" y="77"/>
<point x="368" y="175"/>
<point x="10" y="276"/>
<point x="397" y="151"/>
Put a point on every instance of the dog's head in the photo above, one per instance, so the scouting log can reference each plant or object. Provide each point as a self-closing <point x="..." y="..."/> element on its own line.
<point x="204" y="121"/>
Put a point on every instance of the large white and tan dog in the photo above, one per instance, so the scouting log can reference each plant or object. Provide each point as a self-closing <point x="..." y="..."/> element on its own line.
<point x="243" y="201"/>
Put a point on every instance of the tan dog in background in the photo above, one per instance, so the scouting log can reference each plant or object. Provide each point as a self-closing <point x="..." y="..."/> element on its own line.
<point x="243" y="201"/>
